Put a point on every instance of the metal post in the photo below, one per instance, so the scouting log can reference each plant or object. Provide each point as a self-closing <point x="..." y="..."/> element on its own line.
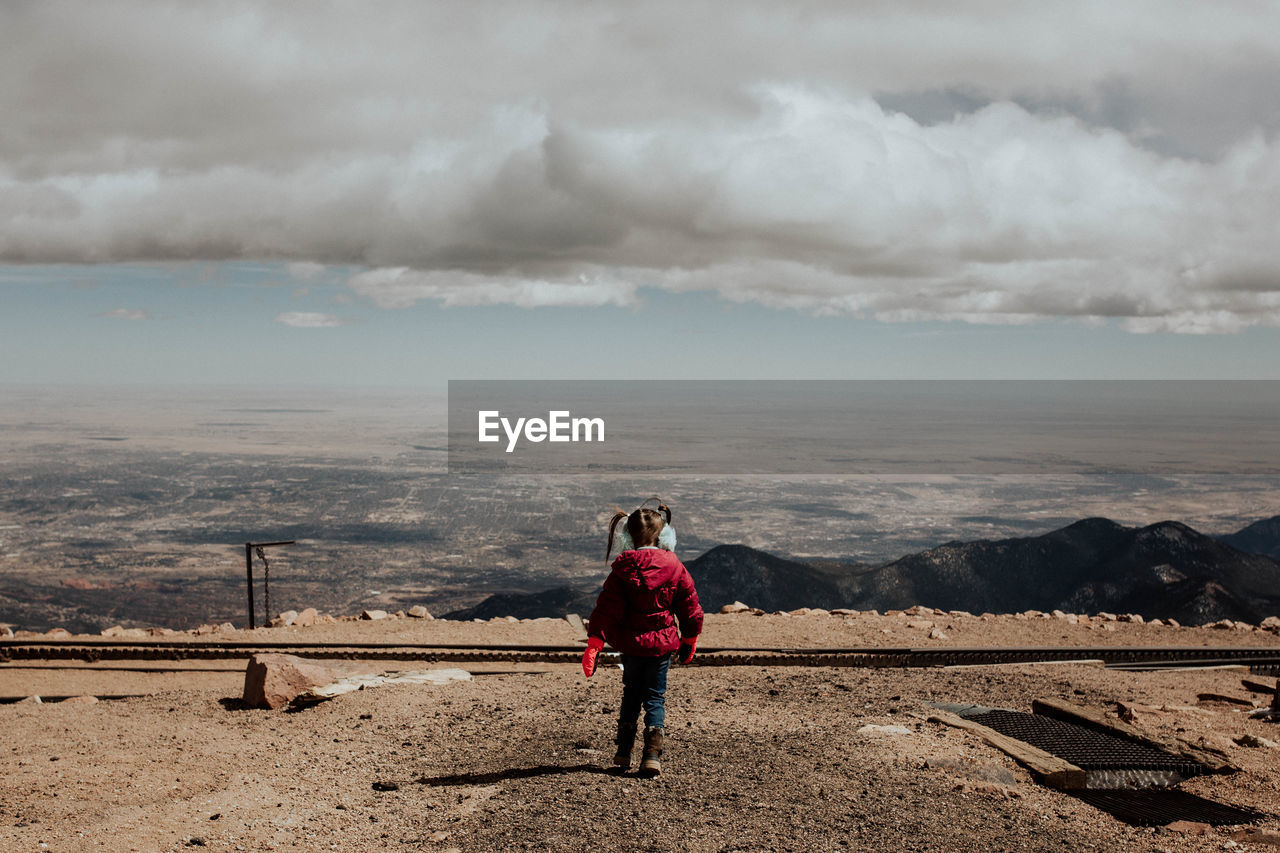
<point x="249" y="548"/>
<point x="248" y="571"/>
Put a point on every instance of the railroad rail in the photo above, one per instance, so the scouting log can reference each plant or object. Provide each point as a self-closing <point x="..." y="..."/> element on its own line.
<point x="1263" y="660"/>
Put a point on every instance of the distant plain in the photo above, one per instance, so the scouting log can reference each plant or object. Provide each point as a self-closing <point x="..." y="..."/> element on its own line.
<point x="133" y="505"/>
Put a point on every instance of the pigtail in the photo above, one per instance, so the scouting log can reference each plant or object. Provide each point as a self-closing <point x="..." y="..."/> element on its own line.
<point x="613" y="526"/>
<point x="662" y="508"/>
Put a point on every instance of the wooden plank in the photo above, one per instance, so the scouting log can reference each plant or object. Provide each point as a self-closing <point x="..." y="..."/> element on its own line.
<point x="1048" y="769"/>
<point x="576" y="621"/>
<point x="1097" y="719"/>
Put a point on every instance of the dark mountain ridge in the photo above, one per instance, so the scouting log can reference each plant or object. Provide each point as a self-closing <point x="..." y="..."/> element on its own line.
<point x="1261" y="537"/>
<point x="1164" y="570"/>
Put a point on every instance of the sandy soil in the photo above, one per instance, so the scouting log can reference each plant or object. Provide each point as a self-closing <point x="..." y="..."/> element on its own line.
<point x="756" y="759"/>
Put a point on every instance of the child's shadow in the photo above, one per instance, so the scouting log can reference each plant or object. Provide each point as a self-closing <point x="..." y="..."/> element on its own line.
<point x="511" y="773"/>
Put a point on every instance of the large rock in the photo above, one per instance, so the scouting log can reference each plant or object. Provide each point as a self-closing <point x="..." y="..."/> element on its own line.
<point x="284" y="620"/>
<point x="120" y="633"/>
<point x="373" y="614"/>
<point x="417" y="611"/>
<point x="307" y="618"/>
<point x="735" y="607"/>
<point x="273" y="680"/>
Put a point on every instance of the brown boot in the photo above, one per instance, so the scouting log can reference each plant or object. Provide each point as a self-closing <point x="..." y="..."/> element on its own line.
<point x="626" y="741"/>
<point x="650" y="764"/>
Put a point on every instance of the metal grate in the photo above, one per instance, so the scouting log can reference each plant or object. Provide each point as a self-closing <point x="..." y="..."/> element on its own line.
<point x="1161" y="806"/>
<point x="1086" y="748"/>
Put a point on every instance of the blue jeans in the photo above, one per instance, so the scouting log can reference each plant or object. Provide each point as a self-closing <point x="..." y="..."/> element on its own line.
<point x="644" y="684"/>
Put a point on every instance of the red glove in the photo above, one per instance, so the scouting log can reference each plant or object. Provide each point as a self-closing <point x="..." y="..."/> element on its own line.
<point x="688" y="646"/>
<point x="594" y="645"/>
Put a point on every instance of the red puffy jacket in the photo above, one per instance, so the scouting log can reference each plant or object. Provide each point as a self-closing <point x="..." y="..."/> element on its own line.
<point x="646" y="593"/>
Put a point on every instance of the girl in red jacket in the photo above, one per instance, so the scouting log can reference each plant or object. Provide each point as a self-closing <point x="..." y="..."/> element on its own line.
<point x="648" y="592"/>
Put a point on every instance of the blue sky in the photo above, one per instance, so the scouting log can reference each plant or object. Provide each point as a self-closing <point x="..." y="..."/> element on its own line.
<point x="218" y="323"/>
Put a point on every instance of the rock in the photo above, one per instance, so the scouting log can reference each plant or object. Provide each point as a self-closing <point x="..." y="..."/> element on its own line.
<point x="1243" y="626"/>
<point x="799" y="611"/>
<point x="1220" y="744"/>
<point x="79" y="700"/>
<point x="225" y="628"/>
<point x="57" y="633"/>
<point x="844" y="611"/>
<point x="960" y="614"/>
<point x="512" y="619"/>
<point x="1173" y="623"/>
<point x="1157" y="622"/>
<point x="284" y="620"/>
<point x="919" y="610"/>
<point x="1108" y="617"/>
<point x="871" y="729"/>
<point x="1126" y="713"/>
<point x="988" y="789"/>
<point x="1130" y="617"/>
<point x="273" y="680"/>
<point x="1058" y="614"/>
<point x="938" y="634"/>
<point x="818" y="611"/>
<point x="307" y="618"/>
<point x="6" y="631"/>
<point x="417" y="611"/>
<point x="920" y="624"/>
<point x="30" y="700"/>
<point x="1254" y="835"/>
<point x="1255" y="742"/>
<point x="1271" y="623"/>
<point x="1033" y="614"/>
<point x="373" y="614"/>
<point x="968" y="768"/>
<point x="1221" y="625"/>
<point x="119" y="633"/>
<point x="1188" y="827"/>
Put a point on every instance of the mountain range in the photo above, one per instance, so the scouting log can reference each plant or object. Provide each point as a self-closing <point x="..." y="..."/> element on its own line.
<point x="1164" y="570"/>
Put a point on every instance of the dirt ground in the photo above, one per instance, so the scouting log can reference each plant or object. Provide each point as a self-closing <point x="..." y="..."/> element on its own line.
<point x="516" y="759"/>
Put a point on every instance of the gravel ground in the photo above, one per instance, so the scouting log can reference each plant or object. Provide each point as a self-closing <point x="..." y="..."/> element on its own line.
<point x="516" y="759"/>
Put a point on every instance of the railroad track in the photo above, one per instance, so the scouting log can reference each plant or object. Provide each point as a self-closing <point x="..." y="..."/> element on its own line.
<point x="1261" y="660"/>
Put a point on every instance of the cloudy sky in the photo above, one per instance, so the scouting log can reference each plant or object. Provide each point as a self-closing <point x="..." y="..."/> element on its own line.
<point x="405" y="192"/>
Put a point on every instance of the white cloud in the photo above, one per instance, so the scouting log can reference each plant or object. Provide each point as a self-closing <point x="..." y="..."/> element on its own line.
<point x="401" y="287"/>
<point x="1060" y="160"/>
<point x="305" y="270"/>
<point x="310" y="320"/>
<point x="125" y="314"/>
